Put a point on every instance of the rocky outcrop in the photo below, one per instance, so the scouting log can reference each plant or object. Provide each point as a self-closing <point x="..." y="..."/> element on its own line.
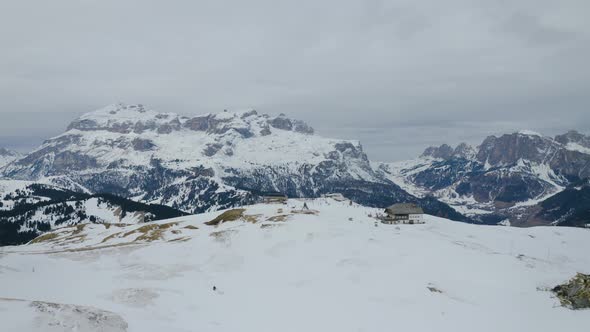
<point x="444" y="151"/>
<point x="508" y="149"/>
<point x="200" y="123"/>
<point x="7" y="156"/>
<point x="281" y="122"/>
<point x="143" y="144"/>
<point x="575" y="294"/>
<point x="464" y="151"/>
<point x="575" y="137"/>
<point x="302" y="127"/>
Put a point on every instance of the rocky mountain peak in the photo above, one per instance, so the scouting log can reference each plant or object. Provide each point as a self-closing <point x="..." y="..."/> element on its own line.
<point x="5" y="152"/>
<point x="509" y="148"/>
<point x="464" y="151"/>
<point x="573" y="139"/>
<point x="7" y="156"/>
<point x="444" y="151"/>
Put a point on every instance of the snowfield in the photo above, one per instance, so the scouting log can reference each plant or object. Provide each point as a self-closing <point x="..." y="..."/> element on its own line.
<point x="282" y="268"/>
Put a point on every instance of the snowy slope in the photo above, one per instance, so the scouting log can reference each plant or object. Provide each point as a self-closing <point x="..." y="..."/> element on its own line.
<point x="283" y="269"/>
<point x="28" y="209"/>
<point x="20" y="191"/>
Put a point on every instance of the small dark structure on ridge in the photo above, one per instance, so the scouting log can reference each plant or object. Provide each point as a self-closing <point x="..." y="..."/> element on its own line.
<point x="404" y="213"/>
<point x="274" y="198"/>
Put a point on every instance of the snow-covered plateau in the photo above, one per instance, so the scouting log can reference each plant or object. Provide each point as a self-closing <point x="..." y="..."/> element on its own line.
<point x="331" y="267"/>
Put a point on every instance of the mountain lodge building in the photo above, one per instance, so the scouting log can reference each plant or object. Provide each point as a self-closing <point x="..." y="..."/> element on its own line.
<point x="404" y="213"/>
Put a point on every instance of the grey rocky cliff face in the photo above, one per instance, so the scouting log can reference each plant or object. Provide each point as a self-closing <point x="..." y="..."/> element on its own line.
<point x="444" y="151"/>
<point x="464" y="151"/>
<point x="7" y="156"/>
<point x="573" y="136"/>
<point x="504" y="171"/>
<point x="508" y="149"/>
<point x="6" y="152"/>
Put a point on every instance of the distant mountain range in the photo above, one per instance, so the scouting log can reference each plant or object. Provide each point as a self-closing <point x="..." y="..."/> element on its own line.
<point x="515" y="178"/>
<point x="207" y="162"/>
<point x="216" y="161"/>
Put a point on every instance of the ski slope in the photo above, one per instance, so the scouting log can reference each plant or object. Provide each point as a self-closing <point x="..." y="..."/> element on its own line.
<point x="281" y="268"/>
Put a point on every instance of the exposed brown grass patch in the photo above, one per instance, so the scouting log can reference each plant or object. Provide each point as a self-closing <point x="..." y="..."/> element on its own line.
<point x="75" y="239"/>
<point x="44" y="238"/>
<point x="229" y="215"/>
<point x="312" y="212"/>
<point x="252" y="218"/>
<point x="191" y="227"/>
<point x="79" y="229"/>
<point x="108" y="225"/>
<point x="222" y="235"/>
<point x="279" y="218"/>
<point x="180" y="239"/>
<point x="110" y="237"/>
<point x="151" y="232"/>
<point x="264" y="226"/>
<point x="93" y="248"/>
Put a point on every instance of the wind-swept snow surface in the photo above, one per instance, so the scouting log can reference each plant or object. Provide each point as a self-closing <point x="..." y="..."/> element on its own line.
<point x="284" y="268"/>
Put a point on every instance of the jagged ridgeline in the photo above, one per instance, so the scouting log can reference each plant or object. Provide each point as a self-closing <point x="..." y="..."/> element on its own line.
<point x="523" y="178"/>
<point x="208" y="162"/>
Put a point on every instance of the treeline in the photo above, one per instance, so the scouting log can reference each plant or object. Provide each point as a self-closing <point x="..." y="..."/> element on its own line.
<point x="61" y="208"/>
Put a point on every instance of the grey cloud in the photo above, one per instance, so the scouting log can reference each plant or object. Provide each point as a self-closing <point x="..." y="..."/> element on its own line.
<point x="402" y="74"/>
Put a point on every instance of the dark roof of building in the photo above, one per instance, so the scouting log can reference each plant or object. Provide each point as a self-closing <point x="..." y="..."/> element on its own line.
<point x="274" y="194"/>
<point x="404" y="208"/>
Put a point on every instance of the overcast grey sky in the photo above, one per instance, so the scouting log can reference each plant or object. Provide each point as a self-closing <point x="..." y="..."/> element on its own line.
<point x="398" y="75"/>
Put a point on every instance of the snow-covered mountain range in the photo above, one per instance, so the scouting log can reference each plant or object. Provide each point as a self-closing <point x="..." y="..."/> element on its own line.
<point x="207" y="162"/>
<point x="195" y="164"/>
<point x="228" y="159"/>
<point x="504" y="179"/>
<point x="331" y="267"/>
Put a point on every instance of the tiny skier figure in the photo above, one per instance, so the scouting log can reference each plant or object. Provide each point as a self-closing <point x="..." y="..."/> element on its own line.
<point x="214" y="288"/>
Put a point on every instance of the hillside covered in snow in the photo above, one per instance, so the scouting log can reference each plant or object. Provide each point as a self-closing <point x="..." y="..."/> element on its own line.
<point x="331" y="267"/>
<point x="27" y="209"/>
